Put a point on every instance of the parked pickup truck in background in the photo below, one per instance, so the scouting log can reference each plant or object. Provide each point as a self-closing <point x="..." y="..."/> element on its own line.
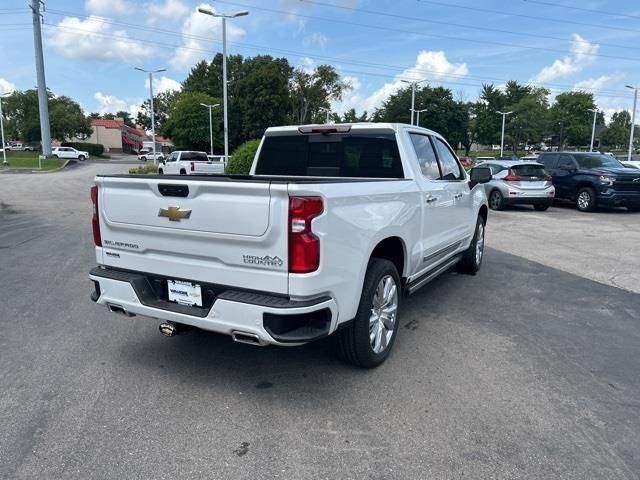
<point x="184" y="162"/>
<point x="332" y="226"/>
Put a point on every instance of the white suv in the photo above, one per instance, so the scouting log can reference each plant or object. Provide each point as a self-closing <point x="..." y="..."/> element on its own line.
<point x="69" y="152"/>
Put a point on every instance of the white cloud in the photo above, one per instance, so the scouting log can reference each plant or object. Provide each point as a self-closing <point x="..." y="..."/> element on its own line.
<point x="198" y="33"/>
<point x="353" y="98"/>
<point x="113" y="104"/>
<point x="6" y="86"/>
<point x="582" y="55"/>
<point x="598" y="83"/>
<point x="608" y="104"/>
<point x="91" y="39"/>
<point x="169" y="10"/>
<point x="430" y="65"/>
<point x="316" y="39"/>
<point x="107" y="7"/>
<point x="163" y="84"/>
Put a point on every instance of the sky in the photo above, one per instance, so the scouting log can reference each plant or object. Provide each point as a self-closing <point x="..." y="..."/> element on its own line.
<point x="92" y="46"/>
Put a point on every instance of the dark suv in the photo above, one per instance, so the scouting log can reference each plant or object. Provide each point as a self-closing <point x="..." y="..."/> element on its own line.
<point x="592" y="179"/>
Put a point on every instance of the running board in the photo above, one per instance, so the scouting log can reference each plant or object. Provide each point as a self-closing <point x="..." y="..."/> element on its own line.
<point x="427" y="277"/>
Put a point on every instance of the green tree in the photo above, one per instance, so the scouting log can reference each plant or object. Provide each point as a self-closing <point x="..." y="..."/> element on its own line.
<point x="163" y="103"/>
<point x="488" y="123"/>
<point x="617" y="133"/>
<point x="23" y="119"/>
<point x="571" y="112"/>
<point x="188" y="122"/>
<point x="242" y="158"/>
<point x="350" y="116"/>
<point x="126" y="116"/>
<point x="311" y="92"/>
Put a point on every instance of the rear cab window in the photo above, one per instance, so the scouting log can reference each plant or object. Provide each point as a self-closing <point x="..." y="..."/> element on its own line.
<point x="364" y="155"/>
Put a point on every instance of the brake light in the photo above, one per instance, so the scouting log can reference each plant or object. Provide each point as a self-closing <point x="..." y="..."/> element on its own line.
<point x="304" y="246"/>
<point x="193" y="166"/>
<point x="95" y="222"/>
<point x="512" y="177"/>
<point x="325" y="130"/>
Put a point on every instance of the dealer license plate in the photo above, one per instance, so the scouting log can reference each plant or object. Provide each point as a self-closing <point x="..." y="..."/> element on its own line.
<point x="184" y="293"/>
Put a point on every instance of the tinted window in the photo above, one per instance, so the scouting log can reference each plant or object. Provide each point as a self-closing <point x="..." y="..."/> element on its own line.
<point x="494" y="167"/>
<point x="172" y="157"/>
<point x="565" y="160"/>
<point x="194" y="156"/>
<point x="529" y="170"/>
<point x="586" y="160"/>
<point x="549" y="160"/>
<point x="449" y="165"/>
<point x="426" y="156"/>
<point x="334" y="155"/>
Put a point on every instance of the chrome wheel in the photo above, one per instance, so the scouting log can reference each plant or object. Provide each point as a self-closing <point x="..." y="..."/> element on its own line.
<point x="383" y="314"/>
<point x="479" y="243"/>
<point x="584" y="200"/>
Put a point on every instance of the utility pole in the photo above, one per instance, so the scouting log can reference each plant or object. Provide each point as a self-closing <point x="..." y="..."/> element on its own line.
<point x="633" y="120"/>
<point x="593" y="129"/>
<point x="418" y="112"/>
<point x="210" y="124"/>
<point x="153" y="118"/>
<point x="504" y="116"/>
<point x="4" y="146"/>
<point x="43" y="101"/>
<point x="414" y="85"/>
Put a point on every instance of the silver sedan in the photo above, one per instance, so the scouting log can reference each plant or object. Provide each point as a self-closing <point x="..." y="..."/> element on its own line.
<point x="519" y="183"/>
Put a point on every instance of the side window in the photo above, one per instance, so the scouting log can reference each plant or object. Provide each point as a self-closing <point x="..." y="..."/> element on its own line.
<point x="426" y="156"/>
<point x="549" y="160"/>
<point x="172" y="157"/>
<point x="493" y="167"/>
<point x="565" y="160"/>
<point x="450" y="167"/>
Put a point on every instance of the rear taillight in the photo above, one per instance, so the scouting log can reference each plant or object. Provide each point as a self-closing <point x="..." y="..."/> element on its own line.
<point x="304" y="246"/>
<point x="512" y="177"/>
<point x="95" y="223"/>
<point x="193" y="166"/>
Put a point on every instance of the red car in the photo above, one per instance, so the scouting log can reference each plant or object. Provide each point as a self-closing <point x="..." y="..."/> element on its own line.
<point x="466" y="162"/>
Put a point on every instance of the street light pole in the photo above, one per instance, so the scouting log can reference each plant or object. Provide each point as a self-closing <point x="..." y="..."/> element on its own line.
<point x="418" y="112"/>
<point x="210" y="123"/>
<point x="328" y="112"/>
<point x="207" y="11"/>
<point x="593" y="129"/>
<point x="414" y="85"/>
<point x="633" y="120"/>
<point x="504" y="116"/>
<point x="153" y="119"/>
<point x="4" y="145"/>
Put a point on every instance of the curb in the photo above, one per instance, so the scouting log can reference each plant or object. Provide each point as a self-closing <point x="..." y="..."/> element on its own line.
<point x="54" y="170"/>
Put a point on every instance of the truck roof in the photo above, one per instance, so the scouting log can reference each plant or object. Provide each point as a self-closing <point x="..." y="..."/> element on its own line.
<point x="359" y="126"/>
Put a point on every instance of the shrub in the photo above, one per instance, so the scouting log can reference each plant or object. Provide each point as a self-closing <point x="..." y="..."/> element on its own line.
<point x="241" y="160"/>
<point x="93" y="149"/>
<point x="144" y="169"/>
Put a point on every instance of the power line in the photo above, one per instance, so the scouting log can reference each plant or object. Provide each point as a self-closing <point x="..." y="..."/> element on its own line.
<point x="378" y="27"/>
<point x="583" y="9"/>
<point x="563" y="21"/>
<point x="260" y="48"/>
<point x="300" y="54"/>
<point x="437" y="22"/>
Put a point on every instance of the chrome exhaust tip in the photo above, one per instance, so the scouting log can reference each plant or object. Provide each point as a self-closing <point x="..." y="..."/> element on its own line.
<point x="245" y="337"/>
<point x="168" y="329"/>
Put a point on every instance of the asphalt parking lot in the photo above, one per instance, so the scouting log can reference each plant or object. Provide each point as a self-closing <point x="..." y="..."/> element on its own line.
<point x="528" y="370"/>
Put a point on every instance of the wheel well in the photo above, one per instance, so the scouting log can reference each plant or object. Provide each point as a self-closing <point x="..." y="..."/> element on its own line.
<point x="391" y="249"/>
<point x="183" y="171"/>
<point x="583" y="184"/>
<point x="483" y="213"/>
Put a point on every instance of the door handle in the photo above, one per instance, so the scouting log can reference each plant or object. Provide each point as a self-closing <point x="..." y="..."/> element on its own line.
<point x="431" y="199"/>
<point x="457" y="196"/>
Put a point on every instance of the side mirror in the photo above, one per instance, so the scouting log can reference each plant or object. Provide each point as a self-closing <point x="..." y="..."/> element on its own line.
<point x="479" y="175"/>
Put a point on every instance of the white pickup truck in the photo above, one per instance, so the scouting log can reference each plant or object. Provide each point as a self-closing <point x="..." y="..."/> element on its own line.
<point x="184" y="162"/>
<point x="334" y="224"/>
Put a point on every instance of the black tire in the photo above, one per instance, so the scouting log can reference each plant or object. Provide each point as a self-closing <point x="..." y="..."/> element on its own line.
<point x="81" y="158"/>
<point x="471" y="262"/>
<point x="496" y="200"/>
<point x="633" y="209"/>
<point x="586" y="200"/>
<point x="54" y="156"/>
<point x="542" y="207"/>
<point x="143" y="159"/>
<point x="160" y="171"/>
<point x="183" y="172"/>
<point x="352" y="344"/>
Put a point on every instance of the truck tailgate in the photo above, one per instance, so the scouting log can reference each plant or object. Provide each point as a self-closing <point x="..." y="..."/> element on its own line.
<point x="213" y="231"/>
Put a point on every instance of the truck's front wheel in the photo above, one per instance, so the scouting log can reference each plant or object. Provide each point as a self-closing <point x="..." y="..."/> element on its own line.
<point x="367" y="342"/>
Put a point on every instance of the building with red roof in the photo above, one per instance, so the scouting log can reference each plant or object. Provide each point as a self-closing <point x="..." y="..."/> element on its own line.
<point x="116" y="136"/>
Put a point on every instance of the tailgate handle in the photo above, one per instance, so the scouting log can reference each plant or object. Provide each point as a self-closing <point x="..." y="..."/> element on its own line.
<point x="172" y="190"/>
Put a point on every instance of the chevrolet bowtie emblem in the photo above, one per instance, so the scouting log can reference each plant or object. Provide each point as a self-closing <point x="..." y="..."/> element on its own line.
<point x="636" y="179"/>
<point x="175" y="214"/>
